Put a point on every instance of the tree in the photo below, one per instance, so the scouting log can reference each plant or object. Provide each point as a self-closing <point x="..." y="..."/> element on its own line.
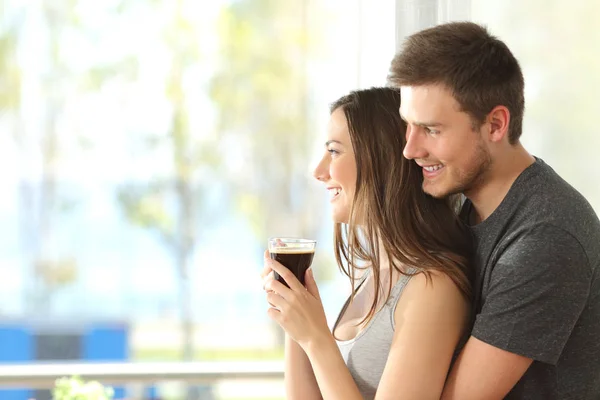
<point x="170" y="206"/>
<point x="38" y="202"/>
<point x="43" y="198"/>
<point x="263" y="99"/>
<point x="263" y="102"/>
<point x="10" y="74"/>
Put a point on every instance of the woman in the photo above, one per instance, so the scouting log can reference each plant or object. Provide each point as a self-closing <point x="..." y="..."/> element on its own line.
<point x="407" y="257"/>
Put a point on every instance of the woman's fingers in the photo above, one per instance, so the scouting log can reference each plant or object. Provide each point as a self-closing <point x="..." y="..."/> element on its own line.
<point x="267" y="278"/>
<point x="287" y="276"/>
<point x="266" y="268"/>
<point x="279" y="288"/>
<point x="275" y="300"/>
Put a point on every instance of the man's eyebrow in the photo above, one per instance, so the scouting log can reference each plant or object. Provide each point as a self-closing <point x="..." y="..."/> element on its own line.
<point x="421" y="123"/>
<point x="426" y="124"/>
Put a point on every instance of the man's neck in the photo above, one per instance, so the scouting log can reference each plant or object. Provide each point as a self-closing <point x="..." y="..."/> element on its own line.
<point x="496" y="183"/>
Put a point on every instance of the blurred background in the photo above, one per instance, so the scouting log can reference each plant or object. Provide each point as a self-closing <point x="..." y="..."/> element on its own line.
<point x="148" y="149"/>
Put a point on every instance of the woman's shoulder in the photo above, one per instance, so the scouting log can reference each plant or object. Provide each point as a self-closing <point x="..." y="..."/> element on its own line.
<point x="431" y="288"/>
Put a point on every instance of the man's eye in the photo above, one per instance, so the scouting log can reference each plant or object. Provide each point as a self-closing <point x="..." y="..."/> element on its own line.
<point x="431" y="131"/>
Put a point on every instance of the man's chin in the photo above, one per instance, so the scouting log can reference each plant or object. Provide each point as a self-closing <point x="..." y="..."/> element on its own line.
<point x="435" y="191"/>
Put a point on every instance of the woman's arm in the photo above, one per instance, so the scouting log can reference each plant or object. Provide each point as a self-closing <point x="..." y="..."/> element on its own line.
<point x="430" y="318"/>
<point x="331" y="372"/>
<point x="299" y="311"/>
<point x="299" y="379"/>
<point x="300" y="382"/>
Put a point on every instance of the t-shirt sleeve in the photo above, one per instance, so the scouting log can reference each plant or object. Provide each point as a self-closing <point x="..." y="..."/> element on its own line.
<point x="537" y="290"/>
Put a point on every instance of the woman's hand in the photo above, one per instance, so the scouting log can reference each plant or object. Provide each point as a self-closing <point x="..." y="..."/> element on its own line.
<point x="267" y="272"/>
<point x="297" y="309"/>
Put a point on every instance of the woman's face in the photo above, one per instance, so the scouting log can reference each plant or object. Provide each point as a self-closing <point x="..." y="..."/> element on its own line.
<point x="337" y="168"/>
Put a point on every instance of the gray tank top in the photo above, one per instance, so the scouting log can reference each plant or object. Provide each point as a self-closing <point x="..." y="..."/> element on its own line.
<point x="367" y="353"/>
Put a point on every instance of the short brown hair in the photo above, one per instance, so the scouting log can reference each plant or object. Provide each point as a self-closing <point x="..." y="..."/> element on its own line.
<point x="478" y="69"/>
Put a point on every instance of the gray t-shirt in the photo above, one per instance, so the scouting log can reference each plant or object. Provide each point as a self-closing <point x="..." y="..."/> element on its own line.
<point x="537" y="287"/>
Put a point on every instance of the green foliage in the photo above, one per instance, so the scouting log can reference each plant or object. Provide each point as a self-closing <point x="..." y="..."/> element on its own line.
<point x="10" y="75"/>
<point x="145" y="206"/>
<point x="262" y="96"/>
<point x="75" y="388"/>
<point x="98" y="75"/>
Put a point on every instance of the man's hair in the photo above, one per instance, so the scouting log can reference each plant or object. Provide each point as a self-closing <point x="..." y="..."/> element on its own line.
<point x="478" y="69"/>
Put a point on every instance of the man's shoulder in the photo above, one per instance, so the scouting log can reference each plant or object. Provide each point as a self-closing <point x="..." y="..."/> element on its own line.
<point x="547" y="186"/>
<point x="541" y="210"/>
<point x="541" y="196"/>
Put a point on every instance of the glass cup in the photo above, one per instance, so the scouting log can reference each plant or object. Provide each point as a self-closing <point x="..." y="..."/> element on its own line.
<point x="295" y="254"/>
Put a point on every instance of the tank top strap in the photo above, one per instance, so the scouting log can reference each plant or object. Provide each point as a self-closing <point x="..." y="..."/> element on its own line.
<point x="347" y="302"/>
<point x="396" y="292"/>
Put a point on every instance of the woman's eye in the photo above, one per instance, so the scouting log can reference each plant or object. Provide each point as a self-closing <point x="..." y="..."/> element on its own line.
<point x="333" y="152"/>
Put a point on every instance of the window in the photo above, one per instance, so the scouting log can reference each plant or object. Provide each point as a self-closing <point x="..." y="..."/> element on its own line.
<point x="151" y="148"/>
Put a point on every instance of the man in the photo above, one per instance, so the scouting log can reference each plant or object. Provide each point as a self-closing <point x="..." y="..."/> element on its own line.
<point x="536" y="329"/>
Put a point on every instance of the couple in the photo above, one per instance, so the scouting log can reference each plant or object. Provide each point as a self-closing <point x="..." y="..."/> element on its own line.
<point x="499" y="300"/>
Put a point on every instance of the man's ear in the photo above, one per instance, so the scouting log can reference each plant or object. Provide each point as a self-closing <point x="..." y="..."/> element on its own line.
<point x="499" y="119"/>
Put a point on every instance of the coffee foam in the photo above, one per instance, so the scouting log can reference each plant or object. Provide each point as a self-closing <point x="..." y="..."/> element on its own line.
<point x="284" y="250"/>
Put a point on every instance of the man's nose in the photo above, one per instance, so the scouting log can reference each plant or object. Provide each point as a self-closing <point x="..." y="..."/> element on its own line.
<point x="414" y="148"/>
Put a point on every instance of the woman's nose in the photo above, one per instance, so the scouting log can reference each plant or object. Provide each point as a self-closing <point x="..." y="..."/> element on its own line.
<point x="321" y="172"/>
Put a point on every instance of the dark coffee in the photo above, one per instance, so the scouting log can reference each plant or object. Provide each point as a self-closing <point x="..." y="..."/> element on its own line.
<point x="296" y="261"/>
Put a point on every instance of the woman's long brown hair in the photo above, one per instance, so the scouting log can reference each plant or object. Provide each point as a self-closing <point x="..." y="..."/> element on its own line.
<point x="390" y="209"/>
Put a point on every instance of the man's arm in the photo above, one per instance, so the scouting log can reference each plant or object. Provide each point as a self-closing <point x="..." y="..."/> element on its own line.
<point x="536" y="292"/>
<point x="483" y="371"/>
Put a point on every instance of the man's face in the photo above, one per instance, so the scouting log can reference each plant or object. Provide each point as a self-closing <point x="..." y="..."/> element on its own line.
<point x="440" y="138"/>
